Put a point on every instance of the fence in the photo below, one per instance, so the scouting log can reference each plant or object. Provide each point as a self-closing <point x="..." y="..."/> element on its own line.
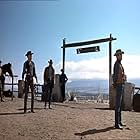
<point x="16" y="90"/>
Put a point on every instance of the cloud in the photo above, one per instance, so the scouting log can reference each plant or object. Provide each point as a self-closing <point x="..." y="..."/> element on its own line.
<point x="131" y="66"/>
<point x="87" y="69"/>
<point x="99" y="67"/>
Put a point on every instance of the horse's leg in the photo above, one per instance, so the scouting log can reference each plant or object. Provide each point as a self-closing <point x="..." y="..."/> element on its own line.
<point x="1" y="90"/>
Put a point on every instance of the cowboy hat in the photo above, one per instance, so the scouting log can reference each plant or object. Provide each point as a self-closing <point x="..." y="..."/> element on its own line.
<point x="119" y="51"/>
<point x="28" y="53"/>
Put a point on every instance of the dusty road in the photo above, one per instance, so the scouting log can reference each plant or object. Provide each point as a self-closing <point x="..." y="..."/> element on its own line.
<point x="65" y="121"/>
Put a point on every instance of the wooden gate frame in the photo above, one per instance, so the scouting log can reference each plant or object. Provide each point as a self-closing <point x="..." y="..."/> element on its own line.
<point x="103" y="40"/>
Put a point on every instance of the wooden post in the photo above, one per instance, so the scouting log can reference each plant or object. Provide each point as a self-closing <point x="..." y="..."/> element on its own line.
<point x="12" y="86"/>
<point x="64" y="54"/>
<point x="110" y="64"/>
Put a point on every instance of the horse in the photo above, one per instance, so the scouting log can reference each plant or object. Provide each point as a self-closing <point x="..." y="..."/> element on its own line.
<point x="6" y="68"/>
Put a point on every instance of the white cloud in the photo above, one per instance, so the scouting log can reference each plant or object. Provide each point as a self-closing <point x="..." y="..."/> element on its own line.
<point x="87" y="69"/>
<point x="99" y="67"/>
<point x="131" y="66"/>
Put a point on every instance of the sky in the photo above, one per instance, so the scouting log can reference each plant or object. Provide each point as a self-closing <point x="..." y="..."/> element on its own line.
<point x="41" y="26"/>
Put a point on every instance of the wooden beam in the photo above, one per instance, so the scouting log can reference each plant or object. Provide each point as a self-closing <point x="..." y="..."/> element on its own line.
<point x="88" y="42"/>
<point x="9" y="75"/>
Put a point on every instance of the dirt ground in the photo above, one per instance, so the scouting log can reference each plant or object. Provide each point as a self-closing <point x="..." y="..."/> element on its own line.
<point x="67" y="120"/>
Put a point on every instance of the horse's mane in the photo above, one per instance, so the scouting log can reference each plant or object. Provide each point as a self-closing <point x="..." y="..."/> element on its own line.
<point x="6" y="65"/>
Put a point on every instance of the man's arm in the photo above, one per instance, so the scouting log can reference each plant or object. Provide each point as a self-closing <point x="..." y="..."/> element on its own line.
<point x="66" y="79"/>
<point x="53" y="76"/>
<point x="24" y="70"/>
<point x="35" y="73"/>
<point x="44" y="76"/>
<point x="115" y="75"/>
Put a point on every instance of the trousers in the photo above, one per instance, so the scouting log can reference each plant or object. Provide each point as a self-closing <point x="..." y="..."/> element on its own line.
<point x="48" y="93"/>
<point x="29" y="83"/>
<point x="63" y="92"/>
<point x="118" y="103"/>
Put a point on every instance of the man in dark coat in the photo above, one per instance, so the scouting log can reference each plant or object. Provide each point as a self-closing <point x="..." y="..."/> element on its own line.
<point x="63" y="80"/>
<point x="29" y="71"/>
<point x="118" y="82"/>
<point x="48" y="83"/>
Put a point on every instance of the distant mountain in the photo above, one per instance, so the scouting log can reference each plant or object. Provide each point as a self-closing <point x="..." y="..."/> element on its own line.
<point x="88" y="87"/>
<point x="136" y="81"/>
<point x="95" y="86"/>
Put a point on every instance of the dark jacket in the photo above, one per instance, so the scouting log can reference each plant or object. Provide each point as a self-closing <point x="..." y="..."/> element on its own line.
<point x="46" y="75"/>
<point x="63" y="79"/>
<point x="118" y="73"/>
<point x="28" y="70"/>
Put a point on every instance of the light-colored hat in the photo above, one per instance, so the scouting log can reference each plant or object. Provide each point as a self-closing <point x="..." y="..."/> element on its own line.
<point x="119" y="51"/>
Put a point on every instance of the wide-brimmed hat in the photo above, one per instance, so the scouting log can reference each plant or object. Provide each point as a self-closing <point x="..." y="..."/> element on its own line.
<point x="29" y="53"/>
<point x="50" y="61"/>
<point x="9" y="64"/>
<point x="119" y="51"/>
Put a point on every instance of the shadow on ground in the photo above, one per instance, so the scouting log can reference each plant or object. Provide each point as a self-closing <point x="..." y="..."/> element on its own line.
<point x="12" y="113"/>
<point x="30" y="108"/>
<point x="103" y="108"/>
<point x="94" y="131"/>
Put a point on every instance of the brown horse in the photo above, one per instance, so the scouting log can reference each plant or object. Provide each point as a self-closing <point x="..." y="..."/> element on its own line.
<point x="3" y="70"/>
